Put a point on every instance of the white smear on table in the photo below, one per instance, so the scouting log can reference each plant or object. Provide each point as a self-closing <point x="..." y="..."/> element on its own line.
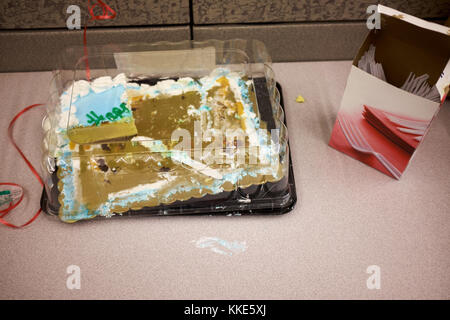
<point x="220" y="246"/>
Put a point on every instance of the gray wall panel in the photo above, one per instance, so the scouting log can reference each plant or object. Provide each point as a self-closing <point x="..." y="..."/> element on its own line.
<point x="296" y="42"/>
<point x="29" y="14"/>
<point x="245" y="11"/>
<point x="309" y="29"/>
<point x="38" y="50"/>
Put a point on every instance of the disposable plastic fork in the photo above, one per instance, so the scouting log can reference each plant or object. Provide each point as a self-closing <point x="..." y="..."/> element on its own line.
<point x="417" y="132"/>
<point x="408" y="123"/>
<point x="359" y="143"/>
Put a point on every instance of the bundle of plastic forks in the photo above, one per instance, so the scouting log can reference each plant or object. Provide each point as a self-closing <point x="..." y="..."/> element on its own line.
<point x="417" y="128"/>
<point x="368" y="64"/>
<point x="413" y="84"/>
<point x="420" y="87"/>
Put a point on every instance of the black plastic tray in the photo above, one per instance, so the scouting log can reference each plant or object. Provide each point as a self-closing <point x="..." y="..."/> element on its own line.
<point x="211" y="204"/>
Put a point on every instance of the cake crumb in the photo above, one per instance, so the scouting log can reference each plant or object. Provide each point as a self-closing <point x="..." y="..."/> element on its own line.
<point x="300" y="99"/>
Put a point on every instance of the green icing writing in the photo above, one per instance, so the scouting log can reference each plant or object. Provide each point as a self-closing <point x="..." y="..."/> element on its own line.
<point x="116" y="113"/>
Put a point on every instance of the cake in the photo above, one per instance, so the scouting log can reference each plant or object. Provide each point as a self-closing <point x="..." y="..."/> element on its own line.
<point x="99" y="110"/>
<point x="128" y="144"/>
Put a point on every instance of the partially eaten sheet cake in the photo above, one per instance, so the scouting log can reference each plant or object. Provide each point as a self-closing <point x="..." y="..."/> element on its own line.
<point x="127" y="144"/>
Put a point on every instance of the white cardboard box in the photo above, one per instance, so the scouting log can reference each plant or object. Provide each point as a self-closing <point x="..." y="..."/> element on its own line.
<point x="379" y="123"/>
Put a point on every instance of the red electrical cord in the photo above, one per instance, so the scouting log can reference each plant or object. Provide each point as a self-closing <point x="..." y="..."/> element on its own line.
<point x="13" y="205"/>
<point x="107" y="13"/>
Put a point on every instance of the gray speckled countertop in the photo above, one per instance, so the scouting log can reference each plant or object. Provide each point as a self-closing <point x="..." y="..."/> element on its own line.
<point x="349" y="216"/>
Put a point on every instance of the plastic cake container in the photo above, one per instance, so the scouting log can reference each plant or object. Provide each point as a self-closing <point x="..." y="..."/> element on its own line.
<point x="148" y="64"/>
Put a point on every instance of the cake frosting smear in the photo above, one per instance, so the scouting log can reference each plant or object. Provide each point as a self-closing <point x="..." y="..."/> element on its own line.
<point x="126" y="144"/>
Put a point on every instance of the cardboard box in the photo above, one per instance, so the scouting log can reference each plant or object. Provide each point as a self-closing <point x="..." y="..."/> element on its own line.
<point x="379" y="123"/>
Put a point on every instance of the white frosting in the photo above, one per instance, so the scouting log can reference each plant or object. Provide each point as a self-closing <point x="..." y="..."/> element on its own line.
<point x="66" y="119"/>
<point x="120" y="79"/>
<point x="80" y="89"/>
<point x="168" y="87"/>
<point x="102" y="84"/>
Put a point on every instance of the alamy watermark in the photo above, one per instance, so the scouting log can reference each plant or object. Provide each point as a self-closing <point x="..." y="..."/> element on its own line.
<point x="374" y="280"/>
<point x="74" y="279"/>
<point x="374" y="20"/>
<point x="233" y="146"/>
<point x="73" y="22"/>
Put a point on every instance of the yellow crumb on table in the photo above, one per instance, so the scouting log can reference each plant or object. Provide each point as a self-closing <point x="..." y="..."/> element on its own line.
<point x="300" y="99"/>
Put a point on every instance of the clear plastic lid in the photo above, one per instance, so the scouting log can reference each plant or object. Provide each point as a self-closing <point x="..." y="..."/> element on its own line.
<point x="166" y="128"/>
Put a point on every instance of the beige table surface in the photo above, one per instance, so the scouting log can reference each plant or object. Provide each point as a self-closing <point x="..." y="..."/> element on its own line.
<point x="348" y="217"/>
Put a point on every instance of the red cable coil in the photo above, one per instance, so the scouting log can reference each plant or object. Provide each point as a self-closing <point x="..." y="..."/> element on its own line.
<point x="13" y="205"/>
